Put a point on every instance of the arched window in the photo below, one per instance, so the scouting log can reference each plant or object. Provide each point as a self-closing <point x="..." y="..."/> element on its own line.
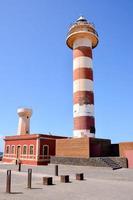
<point x="8" y="149"/>
<point x="31" y="149"/>
<point x="24" y="149"/>
<point x="13" y="149"/>
<point x="45" y="150"/>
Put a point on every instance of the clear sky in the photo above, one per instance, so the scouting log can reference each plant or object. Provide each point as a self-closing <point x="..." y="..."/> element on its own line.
<point x="36" y="65"/>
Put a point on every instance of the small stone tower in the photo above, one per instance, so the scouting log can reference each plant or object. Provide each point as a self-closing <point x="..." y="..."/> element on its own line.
<point x="24" y="121"/>
<point x="82" y="38"/>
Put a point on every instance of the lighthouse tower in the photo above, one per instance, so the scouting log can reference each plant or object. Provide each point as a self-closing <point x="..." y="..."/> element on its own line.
<point x="24" y="120"/>
<point x="82" y="38"/>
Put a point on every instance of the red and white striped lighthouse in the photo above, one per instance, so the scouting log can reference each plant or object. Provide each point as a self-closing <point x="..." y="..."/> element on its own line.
<point x="82" y="38"/>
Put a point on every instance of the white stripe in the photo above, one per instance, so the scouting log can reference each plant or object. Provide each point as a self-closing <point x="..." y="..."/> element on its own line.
<point x="82" y="62"/>
<point x="82" y="133"/>
<point x="82" y="85"/>
<point x="83" y="110"/>
<point x="82" y="42"/>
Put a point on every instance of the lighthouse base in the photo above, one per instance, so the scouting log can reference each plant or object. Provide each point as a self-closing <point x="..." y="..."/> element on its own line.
<point x="88" y="151"/>
<point x="85" y="147"/>
<point x="112" y="162"/>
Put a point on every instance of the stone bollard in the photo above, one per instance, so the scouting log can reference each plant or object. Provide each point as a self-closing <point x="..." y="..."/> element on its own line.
<point x="56" y="170"/>
<point x="64" y="178"/>
<point x="47" y="181"/>
<point x="80" y="176"/>
<point x="29" y="178"/>
<point x="8" y="182"/>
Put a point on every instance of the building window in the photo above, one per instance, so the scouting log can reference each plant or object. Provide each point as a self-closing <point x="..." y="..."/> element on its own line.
<point x="24" y="150"/>
<point x="13" y="150"/>
<point x="31" y="150"/>
<point x="7" y="149"/>
<point x="45" y="150"/>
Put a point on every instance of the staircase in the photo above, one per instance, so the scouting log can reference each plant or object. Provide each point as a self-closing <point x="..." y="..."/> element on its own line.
<point x="110" y="163"/>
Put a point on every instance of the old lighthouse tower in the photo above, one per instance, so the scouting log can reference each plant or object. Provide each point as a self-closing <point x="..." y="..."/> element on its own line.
<point x="82" y="38"/>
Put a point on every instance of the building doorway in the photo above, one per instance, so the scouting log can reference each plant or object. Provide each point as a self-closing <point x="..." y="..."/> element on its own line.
<point x="18" y="152"/>
<point x="45" y="150"/>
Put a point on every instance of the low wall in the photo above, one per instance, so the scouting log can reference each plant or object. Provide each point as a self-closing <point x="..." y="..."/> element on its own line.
<point x="95" y="161"/>
<point x="125" y="146"/>
<point x="126" y="150"/>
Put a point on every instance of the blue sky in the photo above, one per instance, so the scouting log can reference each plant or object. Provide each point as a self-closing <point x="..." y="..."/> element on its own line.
<point x="36" y="65"/>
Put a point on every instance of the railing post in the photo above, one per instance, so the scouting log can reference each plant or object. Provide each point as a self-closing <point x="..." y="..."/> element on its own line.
<point x="29" y="178"/>
<point x="8" y="182"/>
<point x="56" y="170"/>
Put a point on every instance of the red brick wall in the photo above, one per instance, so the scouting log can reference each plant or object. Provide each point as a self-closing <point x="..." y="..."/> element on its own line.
<point x="51" y="143"/>
<point x="126" y="150"/>
<point x="21" y="143"/>
<point x="74" y="147"/>
<point x="25" y="159"/>
<point x="124" y="146"/>
<point x="99" y="147"/>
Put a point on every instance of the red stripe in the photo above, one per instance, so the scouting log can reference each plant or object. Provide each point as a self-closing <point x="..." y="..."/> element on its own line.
<point x="84" y="122"/>
<point x="83" y="97"/>
<point x="82" y="51"/>
<point x="83" y="73"/>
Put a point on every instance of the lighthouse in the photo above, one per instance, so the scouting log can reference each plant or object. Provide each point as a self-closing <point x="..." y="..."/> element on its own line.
<point x="82" y="38"/>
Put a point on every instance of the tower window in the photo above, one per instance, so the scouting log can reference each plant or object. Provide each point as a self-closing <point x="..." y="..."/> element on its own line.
<point x="92" y="129"/>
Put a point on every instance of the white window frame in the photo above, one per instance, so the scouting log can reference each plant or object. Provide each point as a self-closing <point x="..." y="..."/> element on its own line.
<point x="23" y="149"/>
<point x="32" y="145"/>
<point x="19" y="145"/>
<point x="14" y="149"/>
<point x="9" y="149"/>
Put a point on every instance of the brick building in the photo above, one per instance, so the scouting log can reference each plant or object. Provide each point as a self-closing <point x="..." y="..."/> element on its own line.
<point x="34" y="149"/>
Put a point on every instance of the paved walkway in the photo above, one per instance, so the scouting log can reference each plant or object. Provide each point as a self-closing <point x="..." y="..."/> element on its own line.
<point x="99" y="183"/>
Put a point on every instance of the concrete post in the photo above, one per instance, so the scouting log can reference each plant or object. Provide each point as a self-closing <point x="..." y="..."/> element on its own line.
<point x="29" y="178"/>
<point x="56" y="170"/>
<point x="8" y="182"/>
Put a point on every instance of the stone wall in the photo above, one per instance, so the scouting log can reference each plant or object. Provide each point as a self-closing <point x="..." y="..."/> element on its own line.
<point x="95" y="161"/>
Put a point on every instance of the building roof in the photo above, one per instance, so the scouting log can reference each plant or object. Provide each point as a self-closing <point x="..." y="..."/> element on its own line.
<point x="81" y="18"/>
<point x="32" y="136"/>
